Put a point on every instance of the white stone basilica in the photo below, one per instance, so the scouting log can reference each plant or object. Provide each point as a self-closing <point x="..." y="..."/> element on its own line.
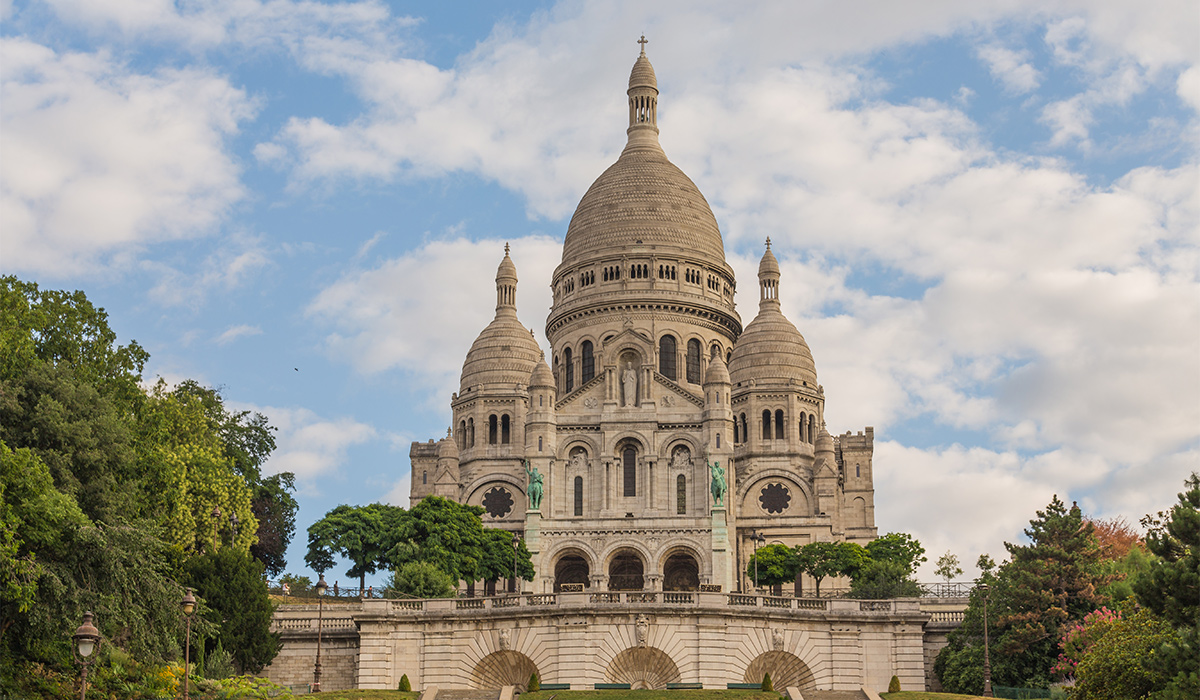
<point x="653" y="388"/>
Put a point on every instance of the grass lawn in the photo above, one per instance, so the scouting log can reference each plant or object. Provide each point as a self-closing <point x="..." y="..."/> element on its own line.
<point x="713" y="694"/>
<point x="364" y="695"/>
<point x="927" y="696"/>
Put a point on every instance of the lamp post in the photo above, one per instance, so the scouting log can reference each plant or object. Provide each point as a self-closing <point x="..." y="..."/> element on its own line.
<point x="188" y="606"/>
<point x="233" y="524"/>
<point x="757" y="537"/>
<point x="86" y="641"/>
<point x="216" y="516"/>
<point x="321" y="586"/>
<point x="987" y="666"/>
<point x="516" y="542"/>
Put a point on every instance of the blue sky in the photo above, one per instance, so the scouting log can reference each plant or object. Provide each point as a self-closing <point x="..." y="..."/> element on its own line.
<point x="986" y="215"/>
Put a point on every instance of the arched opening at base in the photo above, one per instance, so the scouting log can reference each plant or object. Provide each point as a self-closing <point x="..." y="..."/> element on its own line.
<point x="501" y="668"/>
<point x="571" y="568"/>
<point x="643" y="668"/>
<point x="786" y="670"/>
<point x="681" y="573"/>
<point x="626" y="572"/>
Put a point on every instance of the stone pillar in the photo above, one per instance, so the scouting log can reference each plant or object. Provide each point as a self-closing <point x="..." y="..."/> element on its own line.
<point x="533" y="532"/>
<point x="722" y="565"/>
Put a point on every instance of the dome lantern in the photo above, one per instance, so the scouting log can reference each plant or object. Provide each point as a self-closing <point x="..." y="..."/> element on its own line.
<point x="643" y="99"/>
<point x="768" y="278"/>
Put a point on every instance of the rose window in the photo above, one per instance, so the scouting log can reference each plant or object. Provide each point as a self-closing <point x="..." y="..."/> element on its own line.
<point x="775" y="498"/>
<point x="498" y="502"/>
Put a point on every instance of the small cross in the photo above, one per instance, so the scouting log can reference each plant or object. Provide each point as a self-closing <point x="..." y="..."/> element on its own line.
<point x="643" y="42"/>
<point x="506" y="248"/>
<point x="768" y="242"/>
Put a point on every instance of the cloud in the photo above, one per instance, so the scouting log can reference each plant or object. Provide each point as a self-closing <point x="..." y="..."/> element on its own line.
<point x="183" y="282"/>
<point x="235" y="332"/>
<point x="309" y="445"/>
<point x="1012" y="68"/>
<point x="99" y="160"/>
<point x="419" y="312"/>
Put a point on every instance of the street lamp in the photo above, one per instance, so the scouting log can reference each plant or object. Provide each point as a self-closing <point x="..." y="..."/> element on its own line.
<point x="233" y="524"/>
<point x="188" y="606"/>
<point x="757" y="537"/>
<point x="216" y="516"/>
<point x="321" y="587"/>
<point x="87" y="641"/>
<point x="987" y="666"/>
<point x="516" y="542"/>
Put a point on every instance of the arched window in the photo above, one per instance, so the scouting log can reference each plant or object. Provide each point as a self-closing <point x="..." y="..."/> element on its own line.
<point x="471" y="431"/>
<point x="539" y="443"/>
<point x="812" y="428"/>
<point x="779" y="425"/>
<point x="505" y="430"/>
<point x="424" y="477"/>
<point x="766" y="424"/>
<point x="666" y="357"/>
<point x="745" y="429"/>
<point x="693" y="361"/>
<point x="629" y="464"/>
<point x="578" y="496"/>
<point x="568" y="371"/>
<point x="718" y="441"/>
<point x="589" y="362"/>
<point x="462" y="435"/>
<point x="714" y="351"/>
<point x="737" y="438"/>
<point x="803" y="433"/>
<point x="493" y="433"/>
<point x="857" y="470"/>
<point x="681" y="495"/>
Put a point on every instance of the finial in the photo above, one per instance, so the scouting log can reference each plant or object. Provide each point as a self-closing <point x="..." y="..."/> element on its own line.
<point x="449" y="432"/>
<point x="643" y="41"/>
<point x="768" y="242"/>
<point x="506" y="247"/>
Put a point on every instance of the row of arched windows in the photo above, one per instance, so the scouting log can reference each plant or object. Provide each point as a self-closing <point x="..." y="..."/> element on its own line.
<point x="587" y="366"/>
<point x="629" y="483"/>
<point x="668" y="359"/>
<point x="773" y="427"/>
<point x="499" y="431"/>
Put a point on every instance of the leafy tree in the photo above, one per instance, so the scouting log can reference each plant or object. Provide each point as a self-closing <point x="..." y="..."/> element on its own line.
<point x="776" y="564"/>
<point x="233" y="597"/>
<point x="297" y="585"/>
<point x="497" y="562"/>
<point x="822" y="559"/>
<point x="275" y="510"/>
<point x="1171" y="589"/>
<point x="898" y="547"/>
<point x="447" y="534"/>
<point x="421" y="579"/>
<point x="947" y="567"/>
<point x="884" y="579"/>
<point x="362" y="534"/>
<point x="1120" y="662"/>
<point x="985" y="563"/>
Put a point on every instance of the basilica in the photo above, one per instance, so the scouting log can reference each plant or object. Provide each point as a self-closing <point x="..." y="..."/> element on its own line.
<point x="659" y="442"/>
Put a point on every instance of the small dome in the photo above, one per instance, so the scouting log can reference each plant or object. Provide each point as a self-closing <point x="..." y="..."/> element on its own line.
<point x="824" y="440"/>
<point x="772" y="351"/>
<point x="542" y="376"/>
<point x="447" y="448"/>
<point x="716" y="373"/>
<point x="768" y="265"/>
<point x="507" y="270"/>
<point x="643" y="74"/>
<point x="504" y="353"/>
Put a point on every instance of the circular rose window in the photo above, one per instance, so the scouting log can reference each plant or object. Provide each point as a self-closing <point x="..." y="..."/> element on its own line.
<point x="775" y="498"/>
<point x="498" y="502"/>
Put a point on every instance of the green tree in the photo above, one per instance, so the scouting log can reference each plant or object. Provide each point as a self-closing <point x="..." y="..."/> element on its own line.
<point x="274" y="508"/>
<point x="1171" y="589"/>
<point x="497" y="561"/>
<point x="233" y="597"/>
<point x="948" y="567"/>
<point x="1120" y="662"/>
<point x="897" y="547"/>
<point x="776" y="564"/>
<point x="823" y="559"/>
<point x="362" y="534"/>
<point x="447" y="534"/>
<point x="421" y="579"/>
<point x="878" y="580"/>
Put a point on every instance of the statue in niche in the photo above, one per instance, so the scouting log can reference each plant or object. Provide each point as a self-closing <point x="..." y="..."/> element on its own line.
<point x="505" y="639"/>
<point x="777" y="640"/>
<point x="643" y="630"/>
<point x="629" y="382"/>
<point x="577" y="459"/>
<point x="535" y="486"/>
<point x="718" y="483"/>
<point x="681" y="457"/>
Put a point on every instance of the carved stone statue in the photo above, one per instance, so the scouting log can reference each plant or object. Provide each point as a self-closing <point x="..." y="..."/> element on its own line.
<point x="643" y="630"/>
<point x="535" y="487"/>
<point x="577" y="460"/>
<point x="505" y="639"/>
<point x="629" y="382"/>
<point x="776" y="640"/>
<point x="718" y="483"/>
<point x="681" y="457"/>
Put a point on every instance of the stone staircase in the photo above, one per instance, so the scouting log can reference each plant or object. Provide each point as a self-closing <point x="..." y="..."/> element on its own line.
<point x="834" y="695"/>
<point x="489" y="694"/>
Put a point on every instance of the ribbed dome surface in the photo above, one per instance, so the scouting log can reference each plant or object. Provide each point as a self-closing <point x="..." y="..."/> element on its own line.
<point x="716" y="372"/>
<point x="542" y="376"/>
<point x="643" y="199"/>
<point x="642" y="74"/>
<point x="504" y="353"/>
<point x="771" y="350"/>
<point x="447" y="448"/>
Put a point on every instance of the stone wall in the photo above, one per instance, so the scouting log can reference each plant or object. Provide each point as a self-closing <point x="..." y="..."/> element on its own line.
<point x="297" y="627"/>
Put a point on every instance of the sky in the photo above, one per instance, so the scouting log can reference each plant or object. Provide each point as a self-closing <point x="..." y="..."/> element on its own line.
<point x="986" y="215"/>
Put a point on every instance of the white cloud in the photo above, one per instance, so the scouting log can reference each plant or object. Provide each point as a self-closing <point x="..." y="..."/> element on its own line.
<point x="234" y="332"/>
<point x="1012" y="68"/>
<point x="309" y="445"/>
<point x="420" y="312"/>
<point x="185" y="283"/>
<point x="398" y="494"/>
<point x="99" y="160"/>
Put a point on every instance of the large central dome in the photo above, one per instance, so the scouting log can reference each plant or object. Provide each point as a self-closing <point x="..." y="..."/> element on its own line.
<point x="643" y="200"/>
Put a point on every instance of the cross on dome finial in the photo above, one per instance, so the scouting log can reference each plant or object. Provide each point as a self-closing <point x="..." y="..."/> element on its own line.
<point x="506" y="247"/>
<point x="768" y="242"/>
<point x="643" y="41"/>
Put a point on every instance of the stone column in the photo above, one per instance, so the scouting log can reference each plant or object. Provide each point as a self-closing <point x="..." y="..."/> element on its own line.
<point x="722" y="566"/>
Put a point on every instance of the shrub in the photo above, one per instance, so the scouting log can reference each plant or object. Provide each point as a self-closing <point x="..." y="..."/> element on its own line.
<point x="894" y="685"/>
<point x="219" y="664"/>
<point x="405" y="685"/>
<point x="767" y="685"/>
<point x="534" y="683"/>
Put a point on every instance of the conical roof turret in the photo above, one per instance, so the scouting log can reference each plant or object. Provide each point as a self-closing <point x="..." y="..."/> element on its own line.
<point x="542" y="376"/>
<point x="447" y="447"/>
<point x="505" y="352"/>
<point x="771" y="350"/>
<point x="716" y="372"/>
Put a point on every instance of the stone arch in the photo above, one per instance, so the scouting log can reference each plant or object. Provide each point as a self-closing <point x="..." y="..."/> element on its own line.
<point x="476" y="490"/>
<point x="678" y="440"/>
<point x="572" y="565"/>
<point x="501" y="668"/>
<point x="589" y="445"/>
<point x="680" y="566"/>
<point x="858" y="511"/>
<point x="786" y="669"/>
<point x="643" y="668"/>
<point x="626" y="568"/>
<point x="751" y="486"/>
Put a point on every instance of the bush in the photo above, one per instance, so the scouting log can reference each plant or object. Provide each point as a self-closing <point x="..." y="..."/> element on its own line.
<point x="219" y="664"/>
<point x="421" y="579"/>
<point x="534" y="684"/>
<point x="405" y="684"/>
<point x="767" y="685"/>
<point x="894" y="685"/>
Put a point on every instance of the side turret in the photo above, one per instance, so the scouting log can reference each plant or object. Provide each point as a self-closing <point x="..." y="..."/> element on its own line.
<point x="541" y="432"/>
<point x="445" y="481"/>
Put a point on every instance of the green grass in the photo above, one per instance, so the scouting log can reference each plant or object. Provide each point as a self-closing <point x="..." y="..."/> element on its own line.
<point x="713" y="694"/>
<point x="913" y="695"/>
<point x="365" y="695"/>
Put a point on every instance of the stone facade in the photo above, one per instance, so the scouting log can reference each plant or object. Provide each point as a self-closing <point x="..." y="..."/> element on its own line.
<point x="652" y="393"/>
